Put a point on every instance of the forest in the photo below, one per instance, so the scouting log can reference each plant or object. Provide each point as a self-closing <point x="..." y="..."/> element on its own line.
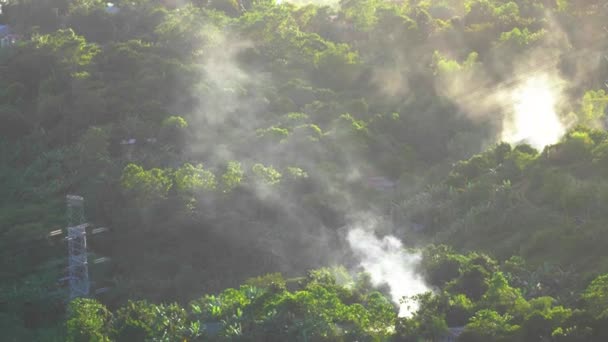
<point x="305" y="170"/>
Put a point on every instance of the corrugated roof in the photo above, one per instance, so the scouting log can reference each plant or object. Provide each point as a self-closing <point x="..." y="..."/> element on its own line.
<point x="5" y="30"/>
<point x="111" y="8"/>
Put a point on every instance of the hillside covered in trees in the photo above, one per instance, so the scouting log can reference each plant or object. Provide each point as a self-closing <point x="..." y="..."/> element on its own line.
<point x="355" y="170"/>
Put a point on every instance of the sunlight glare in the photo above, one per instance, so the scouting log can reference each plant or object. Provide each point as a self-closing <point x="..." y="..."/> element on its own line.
<point x="534" y="119"/>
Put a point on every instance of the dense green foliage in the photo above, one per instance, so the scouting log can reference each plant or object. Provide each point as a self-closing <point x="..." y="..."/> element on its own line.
<point x="220" y="140"/>
<point x="328" y="305"/>
<point x="544" y="206"/>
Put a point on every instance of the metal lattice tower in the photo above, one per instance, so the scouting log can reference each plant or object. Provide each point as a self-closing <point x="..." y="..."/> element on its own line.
<point x="77" y="248"/>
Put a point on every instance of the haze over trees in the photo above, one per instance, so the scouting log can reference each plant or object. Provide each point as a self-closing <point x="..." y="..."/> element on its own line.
<point x="232" y="146"/>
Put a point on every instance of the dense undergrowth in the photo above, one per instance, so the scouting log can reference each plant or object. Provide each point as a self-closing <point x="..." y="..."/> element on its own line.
<point x="472" y="293"/>
<point x="223" y="140"/>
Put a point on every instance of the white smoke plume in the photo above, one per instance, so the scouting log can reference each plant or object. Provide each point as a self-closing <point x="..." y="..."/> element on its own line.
<point x="388" y="264"/>
<point x="525" y="109"/>
<point x="523" y="95"/>
<point x="231" y="108"/>
<point x="534" y="119"/>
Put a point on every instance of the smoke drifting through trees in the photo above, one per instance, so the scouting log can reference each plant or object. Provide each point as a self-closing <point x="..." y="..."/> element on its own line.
<point x="387" y="263"/>
<point x="228" y="139"/>
<point x="524" y="78"/>
<point x="232" y="108"/>
<point x="534" y="119"/>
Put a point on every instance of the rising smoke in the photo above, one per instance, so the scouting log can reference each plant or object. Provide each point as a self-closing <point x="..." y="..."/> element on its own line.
<point x="522" y="94"/>
<point x="524" y="109"/>
<point x="534" y="119"/>
<point x="387" y="263"/>
<point x="232" y="107"/>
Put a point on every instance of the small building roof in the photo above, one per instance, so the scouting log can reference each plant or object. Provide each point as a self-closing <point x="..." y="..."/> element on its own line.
<point x="111" y="8"/>
<point x="5" y="30"/>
